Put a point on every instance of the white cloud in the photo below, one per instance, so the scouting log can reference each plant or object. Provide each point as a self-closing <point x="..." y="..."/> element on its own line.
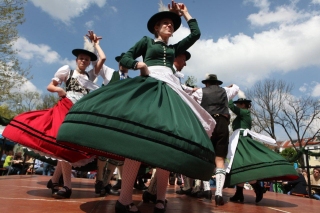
<point x="42" y="52"/>
<point x="315" y="1"/>
<point x="89" y="24"/>
<point x="316" y="90"/>
<point x="65" y="10"/>
<point x="303" y="88"/>
<point x="246" y="59"/>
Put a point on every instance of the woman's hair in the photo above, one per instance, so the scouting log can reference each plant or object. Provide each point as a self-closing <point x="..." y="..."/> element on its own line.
<point x="299" y="170"/>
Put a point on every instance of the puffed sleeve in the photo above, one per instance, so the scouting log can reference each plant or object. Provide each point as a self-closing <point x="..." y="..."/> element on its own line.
<point x="140" y="48"/>
<point x="62" y="74"/>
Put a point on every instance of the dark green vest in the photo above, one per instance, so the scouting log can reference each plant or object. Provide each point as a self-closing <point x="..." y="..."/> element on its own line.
<point x="115" y="77"/>
<point x="215" y="100"/>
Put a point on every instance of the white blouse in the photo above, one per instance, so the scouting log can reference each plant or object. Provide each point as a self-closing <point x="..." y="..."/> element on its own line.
<point x="62" y="75"/>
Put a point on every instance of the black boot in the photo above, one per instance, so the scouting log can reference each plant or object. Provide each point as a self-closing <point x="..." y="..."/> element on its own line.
<point x="219" y="200"/>
<point x="258" y="189"/>
<point x="238" y="196"/>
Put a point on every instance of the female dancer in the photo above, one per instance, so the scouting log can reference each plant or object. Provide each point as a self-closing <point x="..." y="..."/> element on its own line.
<point x="37" y="130"/>
<point x="250" y="160"/>
<point x="147" y="114"/>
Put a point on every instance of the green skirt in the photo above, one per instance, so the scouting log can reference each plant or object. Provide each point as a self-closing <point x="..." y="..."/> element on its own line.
<point x="254" y="161"/>
<point x="142" y="119"/>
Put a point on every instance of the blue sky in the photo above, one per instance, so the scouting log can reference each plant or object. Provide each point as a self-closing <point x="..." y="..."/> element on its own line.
<point x="242" y="41"/>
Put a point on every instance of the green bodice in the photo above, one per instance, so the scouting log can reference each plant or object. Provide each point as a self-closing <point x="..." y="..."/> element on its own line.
<point x="157" y="53"/>
<point x="243" y="119"/>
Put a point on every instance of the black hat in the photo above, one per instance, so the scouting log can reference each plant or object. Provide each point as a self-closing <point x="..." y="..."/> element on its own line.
<point x="242" y="100"/>
<point x="212" y="78"/>
<point x="92" y="56"/>
<point x="188" y="55"/>
<point x="118" y="58"/>
<point x="161" y="15"/>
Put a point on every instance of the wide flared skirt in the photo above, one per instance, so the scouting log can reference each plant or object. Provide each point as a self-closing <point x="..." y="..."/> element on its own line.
<point x="254" y="161"/>
<point x="141" y="119"/>
<point x="37" y="130"/>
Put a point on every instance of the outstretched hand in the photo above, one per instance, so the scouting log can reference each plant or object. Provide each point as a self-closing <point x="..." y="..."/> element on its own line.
<point x="178" y="8"/>
<point x="93" y="37"/>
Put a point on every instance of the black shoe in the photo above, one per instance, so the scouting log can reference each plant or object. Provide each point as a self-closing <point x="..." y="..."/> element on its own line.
<point x="99" y="189"/>
<point x="53" y="186"/>
<point x="63" y="194"/>
<point x="205" y="194"/>
<point x="157" y="210"/>
<point x="124" y="209"/>
<point x="238" y="196"/>
<point x="147" y="197"/>
<point x="258" y="189"/>
<point x="114" y="192"/>
<point x="117" y="186"/>
<point x="107" y="188"/>
<point x="219" y="200"/>
<point x="184" y="192"/>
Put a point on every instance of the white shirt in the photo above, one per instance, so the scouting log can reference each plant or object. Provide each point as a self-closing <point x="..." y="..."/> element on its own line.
<point x="179" y="75"/>
<point x="107" y="72"/>
<point x="62" y="75"/>
<point x="231" y="93"/>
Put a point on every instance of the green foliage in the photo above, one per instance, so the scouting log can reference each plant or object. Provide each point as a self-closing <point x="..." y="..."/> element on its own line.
<point x="288" y="153"/>
<point x="191" y="81"/>
<point x="11" y="74"/>
<point x="48" y="101"/>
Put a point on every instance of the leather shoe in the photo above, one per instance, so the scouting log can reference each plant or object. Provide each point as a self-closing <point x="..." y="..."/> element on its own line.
<point x="219" y="200"/>
<point x="114" y="192"/>
<point x="99" y="189"/>
<point x="63" y="194"/>
<point x="205" y="194"/>
<point x="124" y="208"/>
<point x="157" y="210"/>
<point x="117" y="186"/>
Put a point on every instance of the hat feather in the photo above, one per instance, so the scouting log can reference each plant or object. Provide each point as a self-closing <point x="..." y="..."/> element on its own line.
<point x="162" y="7"/>
<point x="88" y="45"/>
<point x="241" y="94"/>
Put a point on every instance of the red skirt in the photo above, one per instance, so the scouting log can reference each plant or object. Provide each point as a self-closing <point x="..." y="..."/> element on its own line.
<point x="38" y="130"/>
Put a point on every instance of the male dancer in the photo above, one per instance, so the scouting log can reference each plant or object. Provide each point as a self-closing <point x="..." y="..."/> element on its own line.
<point x="214" y="99"/>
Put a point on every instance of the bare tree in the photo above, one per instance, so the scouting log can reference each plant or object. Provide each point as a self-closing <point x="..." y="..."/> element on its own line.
<point x="297" y="118"/>
<point x="191" y="81"/>
<point x="267" y="97"/>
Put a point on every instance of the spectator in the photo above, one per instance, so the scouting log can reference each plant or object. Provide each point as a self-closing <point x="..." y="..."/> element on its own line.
<point x="315" y="180"/>
<point x="297" y="186"/>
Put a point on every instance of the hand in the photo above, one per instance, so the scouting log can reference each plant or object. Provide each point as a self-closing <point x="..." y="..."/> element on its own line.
<point x="61" y="93"/>
<point x="284" y="183"/>
<point x="178" y="8"/>
<point x="144" y="71"/>
<point x="93" y="37"/>
<point x="195" y="89"/>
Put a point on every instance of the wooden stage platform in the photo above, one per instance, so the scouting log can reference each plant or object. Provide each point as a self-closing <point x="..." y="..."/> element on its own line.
<point x="28" y="194"/>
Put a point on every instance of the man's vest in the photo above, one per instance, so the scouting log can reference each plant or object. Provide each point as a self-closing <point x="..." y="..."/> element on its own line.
<point x="215" y="100"/>
<point x="115" y="77"/>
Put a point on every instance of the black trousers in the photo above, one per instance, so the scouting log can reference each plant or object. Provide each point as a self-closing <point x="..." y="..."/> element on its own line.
<point x="220" y="136"/>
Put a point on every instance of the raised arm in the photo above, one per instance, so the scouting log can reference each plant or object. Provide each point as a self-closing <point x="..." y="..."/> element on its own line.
<point x="101" y="56"/>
